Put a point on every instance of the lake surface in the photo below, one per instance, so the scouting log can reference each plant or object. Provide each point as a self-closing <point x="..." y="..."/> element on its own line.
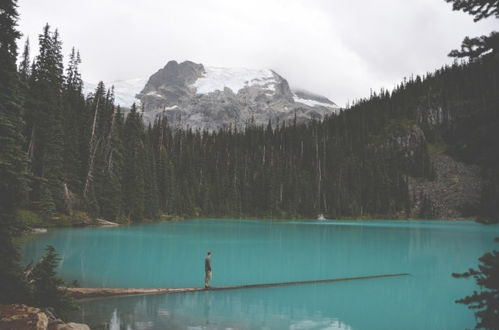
<point x="171" y="254"/>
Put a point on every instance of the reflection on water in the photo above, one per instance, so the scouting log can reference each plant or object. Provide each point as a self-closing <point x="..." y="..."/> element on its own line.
<point x="115" y="323"/>
<point x="244" y="252"/>
<point x="245" y="309"/>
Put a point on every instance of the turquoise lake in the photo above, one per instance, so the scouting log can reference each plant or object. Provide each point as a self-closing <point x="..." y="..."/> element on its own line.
<point x="171" y="254"/>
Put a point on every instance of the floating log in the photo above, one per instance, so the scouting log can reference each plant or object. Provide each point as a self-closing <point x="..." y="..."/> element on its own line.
<point x="81" y="293"/>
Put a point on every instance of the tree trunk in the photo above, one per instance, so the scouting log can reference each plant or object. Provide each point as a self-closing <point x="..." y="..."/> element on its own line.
<point x="92" y="153"/>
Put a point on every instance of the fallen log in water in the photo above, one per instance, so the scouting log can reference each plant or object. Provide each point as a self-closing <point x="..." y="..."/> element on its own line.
<point x="81" y="293"/>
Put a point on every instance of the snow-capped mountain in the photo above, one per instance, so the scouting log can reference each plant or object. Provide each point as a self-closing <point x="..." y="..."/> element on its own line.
<point x="199" y="97"/>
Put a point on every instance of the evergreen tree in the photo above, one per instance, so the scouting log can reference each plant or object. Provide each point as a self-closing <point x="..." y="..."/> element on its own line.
<point x="151" y="194"/>
<point x="133" y="169"/>
<point x="25" y="80"/>
<point x="25" y="64"/>
<point x="475" y="47"/>
<point x="73" y="113"/>
<point x="480" y="9"/>
<point x="13" y="173"/>
<point x="46" y="111"/>
<point x="164" y="166"/>
<point x="110" y="195"/>
<point x="46" y="284"/>
<point x="478" y="46"/>
<point x="486" y="302"/>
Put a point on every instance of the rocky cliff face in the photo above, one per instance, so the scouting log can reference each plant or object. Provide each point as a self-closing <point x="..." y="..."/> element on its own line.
<point x="198" y="97"/>
<point x="455" y="187"/>
<point x="439" y="186"/>
<point x="454" y="193"/>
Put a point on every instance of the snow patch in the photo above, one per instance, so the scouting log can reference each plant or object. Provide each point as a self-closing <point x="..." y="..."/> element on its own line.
<point x="217" y="79"/>
<point x="155" y="94"/>
<point x="313" y="103"/>
<point x="171" y="108"/>
<point x="124" y="90"/>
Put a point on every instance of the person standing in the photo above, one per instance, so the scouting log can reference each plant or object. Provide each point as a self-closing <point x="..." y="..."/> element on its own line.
<point x="207" y="270"/>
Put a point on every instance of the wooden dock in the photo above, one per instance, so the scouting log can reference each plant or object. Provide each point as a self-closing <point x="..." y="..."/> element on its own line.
<point x="81" y="293"/>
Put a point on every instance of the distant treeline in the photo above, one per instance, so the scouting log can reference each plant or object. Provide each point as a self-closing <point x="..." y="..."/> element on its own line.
<point x="84" y="154"/>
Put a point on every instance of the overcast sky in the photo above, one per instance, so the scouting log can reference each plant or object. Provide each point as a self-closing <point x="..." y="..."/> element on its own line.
<point x="339" y="49"/>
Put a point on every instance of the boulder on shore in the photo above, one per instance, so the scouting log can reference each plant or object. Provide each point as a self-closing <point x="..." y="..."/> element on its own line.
<point x="22" y="317"/>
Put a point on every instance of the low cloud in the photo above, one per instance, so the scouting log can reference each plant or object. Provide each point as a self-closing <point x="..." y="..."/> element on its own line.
<point x="340" y="49"/>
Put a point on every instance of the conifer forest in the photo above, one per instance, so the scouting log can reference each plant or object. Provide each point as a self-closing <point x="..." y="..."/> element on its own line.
<point x="83" y="153"/>
<point x="70" y="156"/>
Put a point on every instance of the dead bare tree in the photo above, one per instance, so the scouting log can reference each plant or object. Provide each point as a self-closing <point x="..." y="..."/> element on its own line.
<point x="92" y="153"/>
<point x="68" y="199"/>
<point x="31" y="145"/>
<point x="109" y="149"/>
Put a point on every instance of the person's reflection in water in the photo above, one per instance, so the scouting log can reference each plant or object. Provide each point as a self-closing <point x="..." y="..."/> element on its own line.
<point x="207" y="306"/>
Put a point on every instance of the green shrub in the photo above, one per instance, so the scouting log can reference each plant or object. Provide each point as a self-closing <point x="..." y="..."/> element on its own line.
<point x="29" y="218"/>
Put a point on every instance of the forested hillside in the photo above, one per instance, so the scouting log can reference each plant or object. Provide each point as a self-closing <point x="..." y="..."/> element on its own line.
<point x="86" y="156"/>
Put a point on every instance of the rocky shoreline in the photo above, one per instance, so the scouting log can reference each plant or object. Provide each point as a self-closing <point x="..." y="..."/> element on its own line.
<point x="23" y="317"/>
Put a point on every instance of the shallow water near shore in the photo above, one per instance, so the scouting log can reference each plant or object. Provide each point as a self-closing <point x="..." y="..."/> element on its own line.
<point x="171" y="254"/>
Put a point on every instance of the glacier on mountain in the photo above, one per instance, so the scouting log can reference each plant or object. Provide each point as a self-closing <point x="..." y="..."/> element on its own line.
<point x="235" y="79"/>
<point x="124" y="90"/>
<point x="190" y="95"/>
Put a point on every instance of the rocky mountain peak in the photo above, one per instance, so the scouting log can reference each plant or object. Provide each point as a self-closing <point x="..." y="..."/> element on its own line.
<point x="191" y="95"/>
<point x="199" y="97"/>
<point x="174" y="73"/>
